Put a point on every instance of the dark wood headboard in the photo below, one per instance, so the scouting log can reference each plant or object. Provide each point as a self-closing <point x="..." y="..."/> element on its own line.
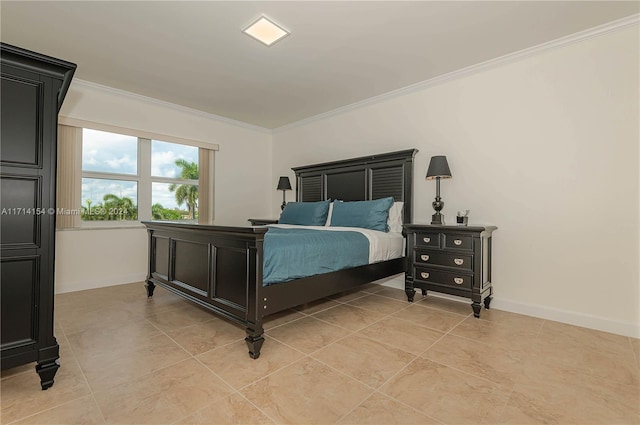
<point x="360" y="179"/>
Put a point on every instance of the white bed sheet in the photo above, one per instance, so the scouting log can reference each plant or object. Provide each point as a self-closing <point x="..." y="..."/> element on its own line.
<point x="383" y="246"/>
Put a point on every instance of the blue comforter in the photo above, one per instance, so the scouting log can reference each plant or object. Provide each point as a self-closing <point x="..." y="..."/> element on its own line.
<point x="295" y="253"/>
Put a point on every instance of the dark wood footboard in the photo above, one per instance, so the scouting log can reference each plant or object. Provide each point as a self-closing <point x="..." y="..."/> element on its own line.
<point x="217" y="267"/>
<point x="220" y="268"/>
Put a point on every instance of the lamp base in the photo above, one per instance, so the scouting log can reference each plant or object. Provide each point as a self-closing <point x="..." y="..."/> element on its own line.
<point x="437" y="205"/>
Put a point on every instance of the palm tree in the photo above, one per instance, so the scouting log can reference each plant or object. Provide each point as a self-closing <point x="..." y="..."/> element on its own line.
<point x="187" y="193"/>
<point x="157" y="211"/>
<point x="123" y="208"/>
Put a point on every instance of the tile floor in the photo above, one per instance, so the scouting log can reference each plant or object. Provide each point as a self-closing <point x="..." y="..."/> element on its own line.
<point x="366" y="357"/>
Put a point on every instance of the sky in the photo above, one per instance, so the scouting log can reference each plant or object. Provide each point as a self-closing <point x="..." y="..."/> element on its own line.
<point x="114" y="153"/>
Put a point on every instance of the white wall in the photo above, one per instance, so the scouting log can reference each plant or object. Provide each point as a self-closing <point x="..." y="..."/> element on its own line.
<point x="88" y="259"/>
<point x="93" y="258"/>
<point x="546" y="148"/>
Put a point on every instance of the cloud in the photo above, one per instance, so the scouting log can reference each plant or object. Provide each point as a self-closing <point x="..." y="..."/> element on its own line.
<point x="123" y="163"/>
<point x="108" y="152"/>
<point x="164" y="156"/>
<point x="163" y="164"/>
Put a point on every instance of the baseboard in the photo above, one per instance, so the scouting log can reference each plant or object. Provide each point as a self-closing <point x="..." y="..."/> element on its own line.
<point x="63" y="287"/>
<point x="571" y="317"/>
<point x="564" y="316"/>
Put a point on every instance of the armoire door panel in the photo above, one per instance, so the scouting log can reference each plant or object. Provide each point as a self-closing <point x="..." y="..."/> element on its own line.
<point x="20" y="284"/>
<point x="21" y="123"/>
<point x="22" y="212"/>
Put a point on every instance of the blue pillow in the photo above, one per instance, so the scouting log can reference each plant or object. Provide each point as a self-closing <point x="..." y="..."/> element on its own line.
<point x="365" y="214"/>
<point x="305" y="213"/>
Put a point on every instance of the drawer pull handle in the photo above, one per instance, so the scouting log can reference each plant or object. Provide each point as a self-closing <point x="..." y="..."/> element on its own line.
<point x="424" y="257"/>
<point x="458" y="261"/>
<point x="457" y="242"/>
<point x="426" y="240"/>
<point x="424" y="275"/>
<point x="458" y="280"/>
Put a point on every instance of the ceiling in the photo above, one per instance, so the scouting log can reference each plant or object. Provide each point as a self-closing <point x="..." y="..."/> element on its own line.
<point x="194" y="54"/>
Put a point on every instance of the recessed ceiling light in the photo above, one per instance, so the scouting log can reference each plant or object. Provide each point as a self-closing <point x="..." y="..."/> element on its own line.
<point x="265" y="31"/>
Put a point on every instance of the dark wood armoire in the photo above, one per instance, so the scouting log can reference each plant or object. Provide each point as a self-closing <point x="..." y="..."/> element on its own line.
<point x="32" y="91"/>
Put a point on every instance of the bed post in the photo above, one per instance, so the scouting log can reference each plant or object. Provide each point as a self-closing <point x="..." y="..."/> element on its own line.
<point x="256" y="302"/>
<point x="254" y="340"/>
<point x="150" y="287"/>
<point x="149" y="284"/>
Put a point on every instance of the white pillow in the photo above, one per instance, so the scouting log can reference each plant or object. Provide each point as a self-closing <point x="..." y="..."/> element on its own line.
<point x="395" y="217"/>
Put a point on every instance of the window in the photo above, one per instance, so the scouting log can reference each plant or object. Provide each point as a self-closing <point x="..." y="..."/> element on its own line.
<point x="128" y="178"/>
<point x="109" y="176"/>
<point x="174" y="181"/>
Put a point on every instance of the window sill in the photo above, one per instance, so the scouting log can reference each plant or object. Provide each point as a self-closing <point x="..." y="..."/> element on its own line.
<point x="113" y="226"/>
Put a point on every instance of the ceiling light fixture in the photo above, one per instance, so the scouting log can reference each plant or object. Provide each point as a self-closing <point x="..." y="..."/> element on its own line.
<point x="265" y="31"/>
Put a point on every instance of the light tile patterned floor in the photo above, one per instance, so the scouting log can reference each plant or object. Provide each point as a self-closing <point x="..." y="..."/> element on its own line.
<point x="367" y="357"/>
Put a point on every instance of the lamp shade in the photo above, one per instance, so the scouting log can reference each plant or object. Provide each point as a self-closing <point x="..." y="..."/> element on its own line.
<point x="284" y="184"/>
<point x="438" y="167"/>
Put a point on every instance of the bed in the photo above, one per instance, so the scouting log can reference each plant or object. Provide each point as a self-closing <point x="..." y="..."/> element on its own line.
<point x="222" y="267"/>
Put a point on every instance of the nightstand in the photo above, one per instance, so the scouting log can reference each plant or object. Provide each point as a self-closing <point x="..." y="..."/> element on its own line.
<point x="454" y="260"/>
<point x="262" y="221"/>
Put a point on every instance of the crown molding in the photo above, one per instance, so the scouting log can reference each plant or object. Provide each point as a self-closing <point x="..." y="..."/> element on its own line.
<point x="619" y="24"/>
<point x="149" y="100"/>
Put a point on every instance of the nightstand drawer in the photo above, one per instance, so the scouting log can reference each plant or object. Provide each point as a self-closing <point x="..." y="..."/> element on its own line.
<point x="457" y="261"/>
<point x="455" y="280"/>
<point x="431" y="240"/>
<point x="458" y="242"/>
